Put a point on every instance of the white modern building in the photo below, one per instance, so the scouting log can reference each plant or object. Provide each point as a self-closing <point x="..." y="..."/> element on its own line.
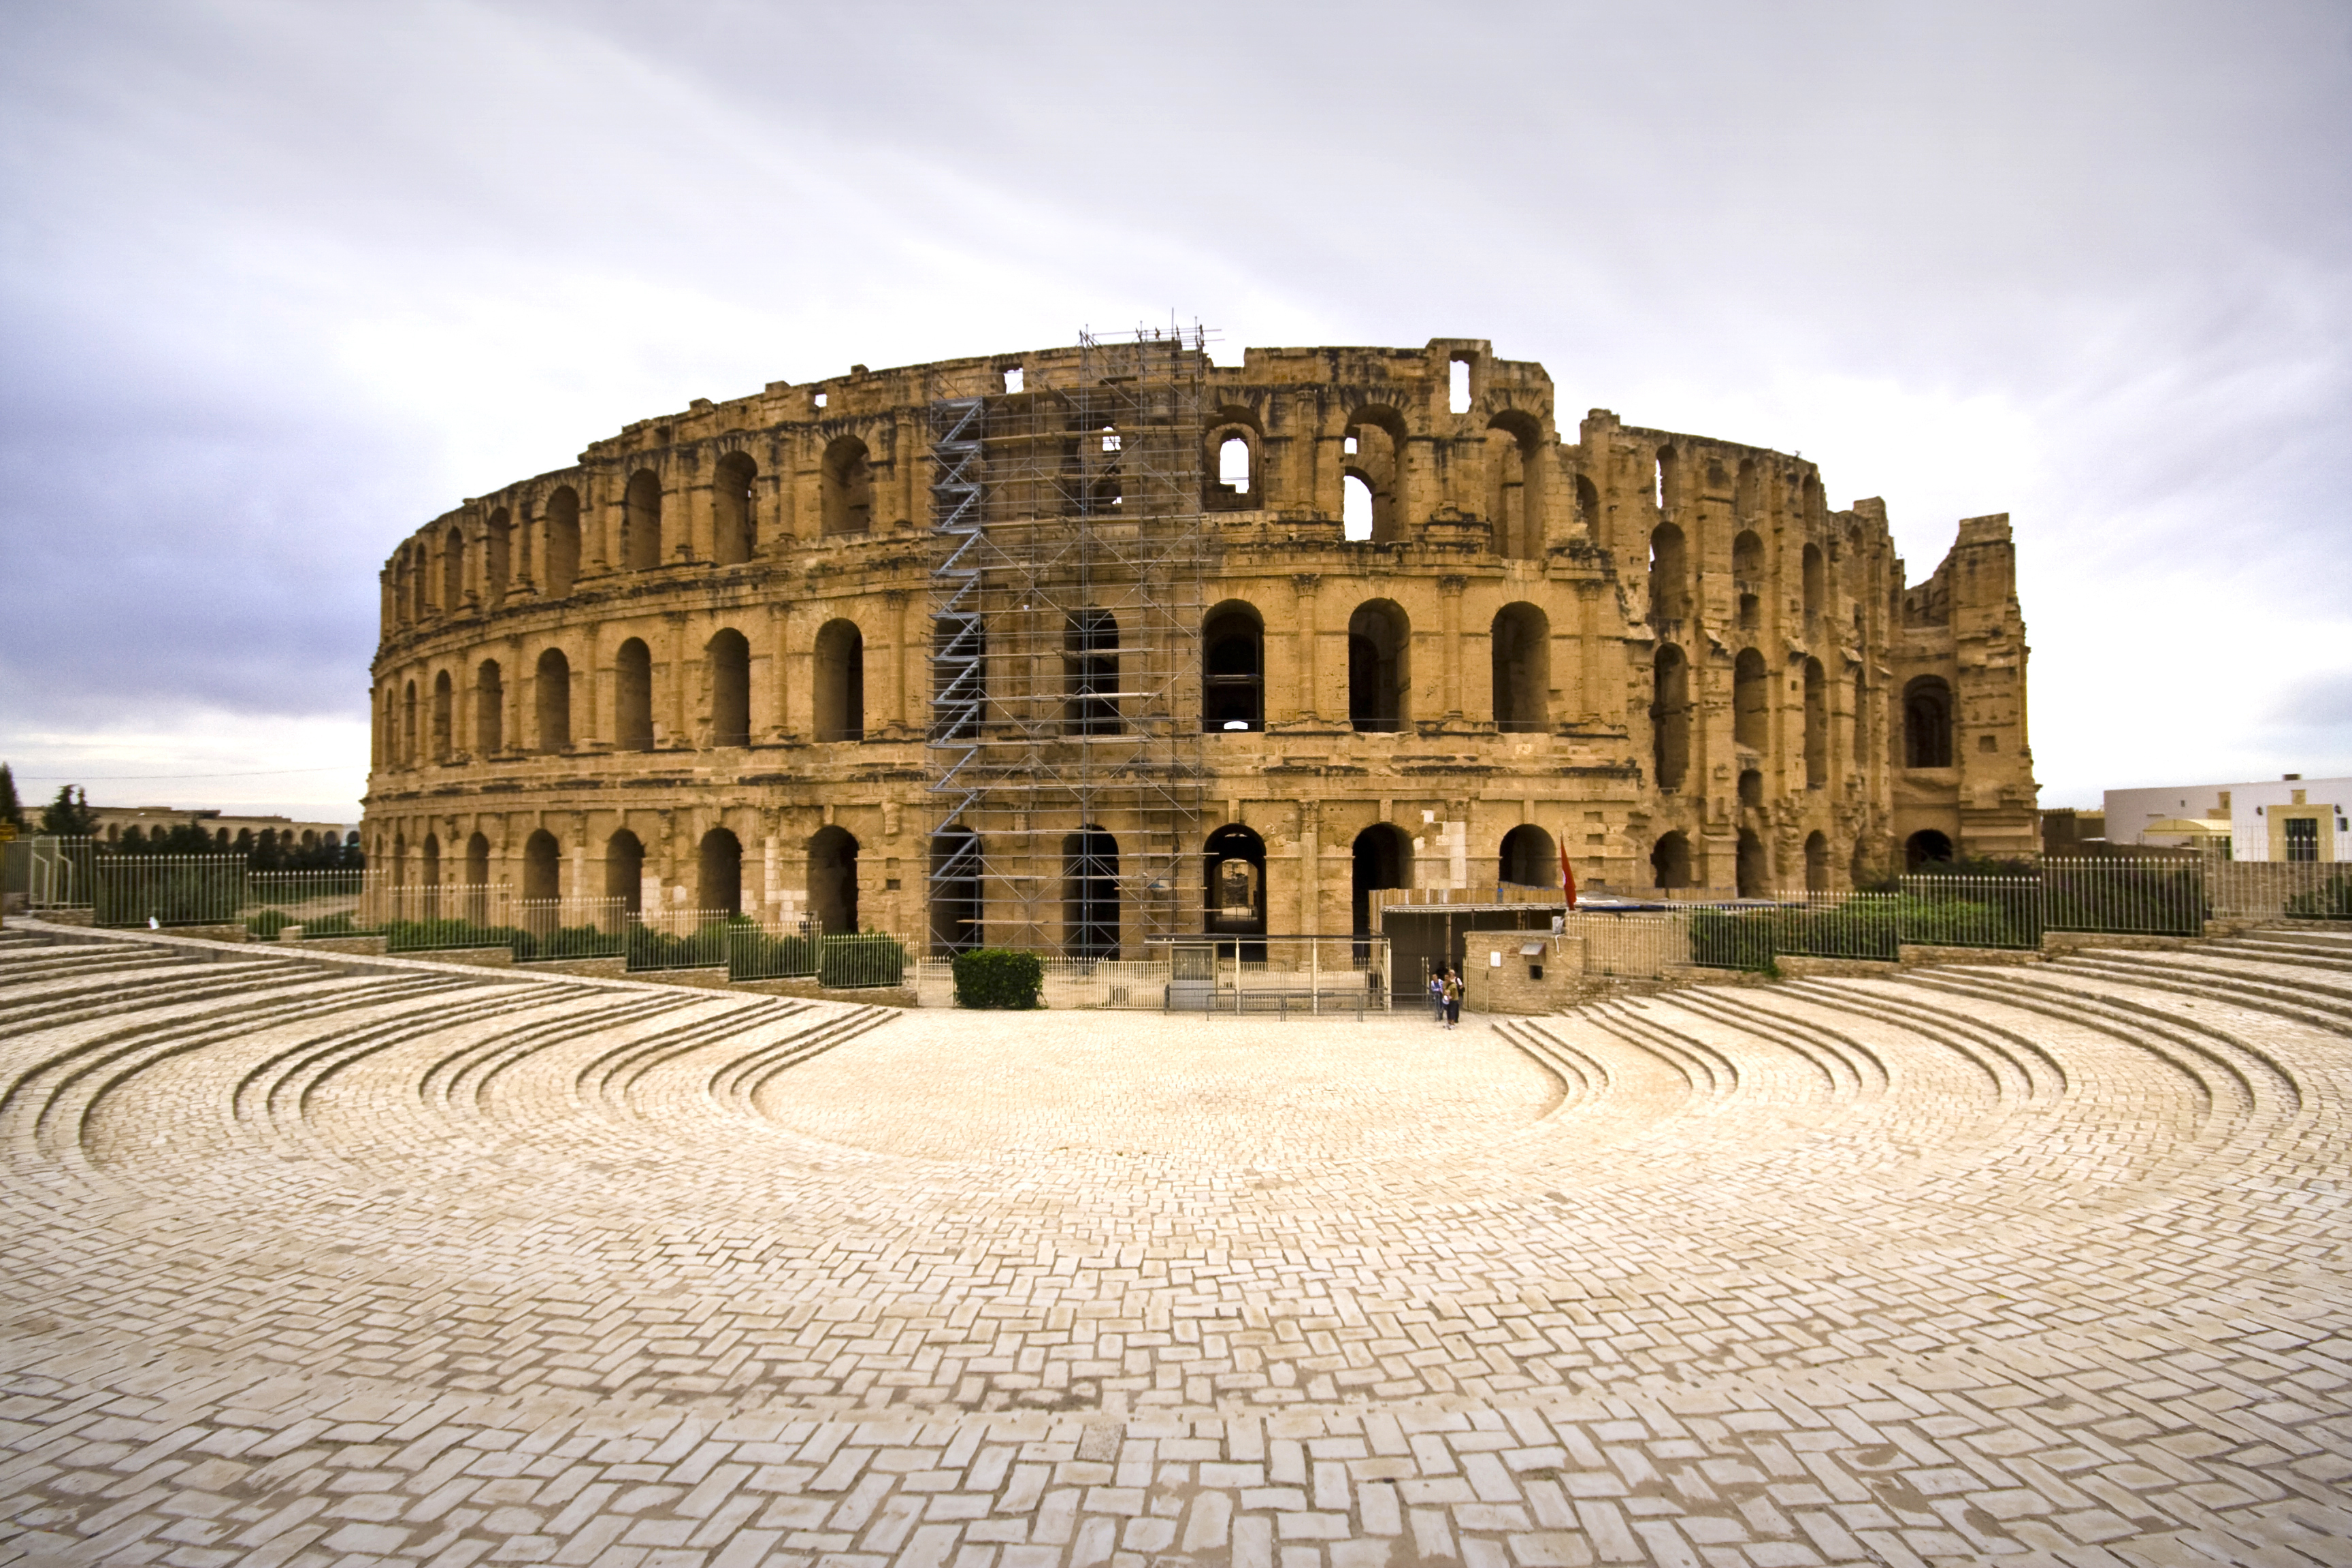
<point x="2291" y="819"/>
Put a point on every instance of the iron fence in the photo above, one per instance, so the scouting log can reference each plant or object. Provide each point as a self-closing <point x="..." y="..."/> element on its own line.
<point x="1632" y="945"/>
<point x="845" y="961"/>
<point x="2273" y="890"/>
<point x="682" y="939"/>
<point x="166" y="889"/>
<point x="1280" y="975"/>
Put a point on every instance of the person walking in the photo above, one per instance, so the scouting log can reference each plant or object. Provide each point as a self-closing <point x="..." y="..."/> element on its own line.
<point x="1437" y="996"/>
<point x="1453" y="997"/>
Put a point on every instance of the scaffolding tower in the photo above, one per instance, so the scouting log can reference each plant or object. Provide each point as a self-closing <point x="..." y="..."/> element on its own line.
<point x="1065" y="740"/>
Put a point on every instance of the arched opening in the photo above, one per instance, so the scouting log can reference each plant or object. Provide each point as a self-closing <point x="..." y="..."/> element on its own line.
<point x="847" y="487"/>
<point x="641" y="522"/>
<point x="1380" y="643"/>
<point x="1817" y="862"/>
<point x="624" y="870"/>
<point x="1747" y="493"/>
<point x="1670" y="710"/>
<point x="1815" y="588"/>
<point x="1670" y="861"/>
<point x="1372" y="447"/>
<point x="1233" y="669"/>
<point x="1355" y="507"/>
<point x="542" y="867"/>
<point x="421" y="579"/>
<point x="959" y="676"/>
<point x="1528" y="857"/>
<point x="833" y="880"/>
<point x="562" y="517"/>
<point x="1668" y="494"/>
<point x="497" y="555"/>
<point x="1753" y="874"/>
<point x="1105" y="490"/>
<point x="1751" y="701"/>
<point x="1090" y="904"/>
<point x="431" y="876"/>
<point x="1090" y="673"/>
<point x="956" y="873"/>
<point x="408" y="745"/>
<point x="1515" y="485"/>
<point x="453" y="572"/>
<point x="632" y="697"/>
<point x="1817" y="725"/>
<point x="1233" y="881"/>
<point x="1669" y="573"/>
<point x="840" y="696"/>
<point x="477" y="878"/>
<point x="1382" y="858"/>
<point x="402" y="610"/>
<point x="729" y="657"/>
<point x="490" y="709"/>
<point x="1927" y="724"/>
<point x="1748" y="571"/>
<point x="1233" y="467"/>
<point x="553" y="689"/>
<point x="731" y="532"/>
<point x="1752" y="786"/>
<point x="1925" y="847"/>
<point x="1587" y="505"/>
<point x="445" y="701"/>
<point x="718" y="880"/>
<point x="399" y="857"/>
<point x="1521" y="642"/>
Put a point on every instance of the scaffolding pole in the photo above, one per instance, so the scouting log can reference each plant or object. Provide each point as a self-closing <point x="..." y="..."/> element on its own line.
<point x="1066" y="763"/>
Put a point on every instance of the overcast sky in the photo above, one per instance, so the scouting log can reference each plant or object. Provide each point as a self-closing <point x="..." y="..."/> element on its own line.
<point x="279" y="282"/>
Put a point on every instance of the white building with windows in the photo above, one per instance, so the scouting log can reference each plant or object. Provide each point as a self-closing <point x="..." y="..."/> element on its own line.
<point x="2291" y="819"/>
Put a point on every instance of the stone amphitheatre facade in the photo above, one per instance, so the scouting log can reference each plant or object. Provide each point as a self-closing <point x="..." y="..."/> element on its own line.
<point x="1076" y="647"/>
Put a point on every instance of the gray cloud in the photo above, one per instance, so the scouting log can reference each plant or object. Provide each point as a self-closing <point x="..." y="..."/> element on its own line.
<point x="278" y="281"/>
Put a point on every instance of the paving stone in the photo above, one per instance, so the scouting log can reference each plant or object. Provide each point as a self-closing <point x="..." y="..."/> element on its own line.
<point x="2013" y="1265"/>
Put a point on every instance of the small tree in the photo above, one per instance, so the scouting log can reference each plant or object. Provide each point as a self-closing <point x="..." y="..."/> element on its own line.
<point x="12" y="811"/>
<point x="70" y="815"/>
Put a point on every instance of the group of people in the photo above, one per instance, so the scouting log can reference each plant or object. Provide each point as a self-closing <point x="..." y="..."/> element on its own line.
<point x="1446" y="994"/>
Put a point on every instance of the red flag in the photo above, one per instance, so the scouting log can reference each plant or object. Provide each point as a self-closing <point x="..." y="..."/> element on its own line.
<point x="1567" y="877"/>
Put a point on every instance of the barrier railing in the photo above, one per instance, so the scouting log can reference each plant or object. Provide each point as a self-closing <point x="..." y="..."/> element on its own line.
<point x="50" y="871"/>
<point x="2271" y="889"/>
<point x="1280" y="975"/>
<point x="846" y="960"/>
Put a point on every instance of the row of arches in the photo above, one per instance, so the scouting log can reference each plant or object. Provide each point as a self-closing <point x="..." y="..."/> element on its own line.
<point x="1927" y="718"/>
<point x="1674" y="588"/>
<point x="1380" y="667"/>
<point x="423" y="725"/>
<point x="646" y="540"/>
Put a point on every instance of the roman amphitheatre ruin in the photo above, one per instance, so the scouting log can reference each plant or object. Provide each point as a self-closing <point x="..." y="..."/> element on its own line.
<point x="727" y="661"/>
<point x="2035" y="1252"/>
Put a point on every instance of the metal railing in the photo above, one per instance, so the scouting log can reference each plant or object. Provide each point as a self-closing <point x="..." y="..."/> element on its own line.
<point x="1279" y="975"/>
<point x="846" y="960"/>
<point x="51" y="872"/>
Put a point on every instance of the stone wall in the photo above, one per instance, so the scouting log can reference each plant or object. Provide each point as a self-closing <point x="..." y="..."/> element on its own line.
<point x="1665" y="653"/>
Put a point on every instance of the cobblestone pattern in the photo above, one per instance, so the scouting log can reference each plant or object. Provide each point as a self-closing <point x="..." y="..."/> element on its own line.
<point x="378" y="1263"/>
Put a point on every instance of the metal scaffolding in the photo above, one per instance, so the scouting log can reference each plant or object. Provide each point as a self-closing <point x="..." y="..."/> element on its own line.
<point x="1066" y="747"/>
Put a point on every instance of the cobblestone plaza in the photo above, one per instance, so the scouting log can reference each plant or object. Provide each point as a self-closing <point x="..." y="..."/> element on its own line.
<point x="340" y="1262"/>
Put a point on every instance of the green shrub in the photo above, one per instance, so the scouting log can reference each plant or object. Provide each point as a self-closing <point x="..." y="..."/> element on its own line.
<point x="751" y="954"/>
<point x="998" y="977"/>
<point x="872" y="958"/>
<point x="329" y="925"/>
<point x="265" y="926"/>
<point x="443" y="935"/>
<point x="1726" y="939"/>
